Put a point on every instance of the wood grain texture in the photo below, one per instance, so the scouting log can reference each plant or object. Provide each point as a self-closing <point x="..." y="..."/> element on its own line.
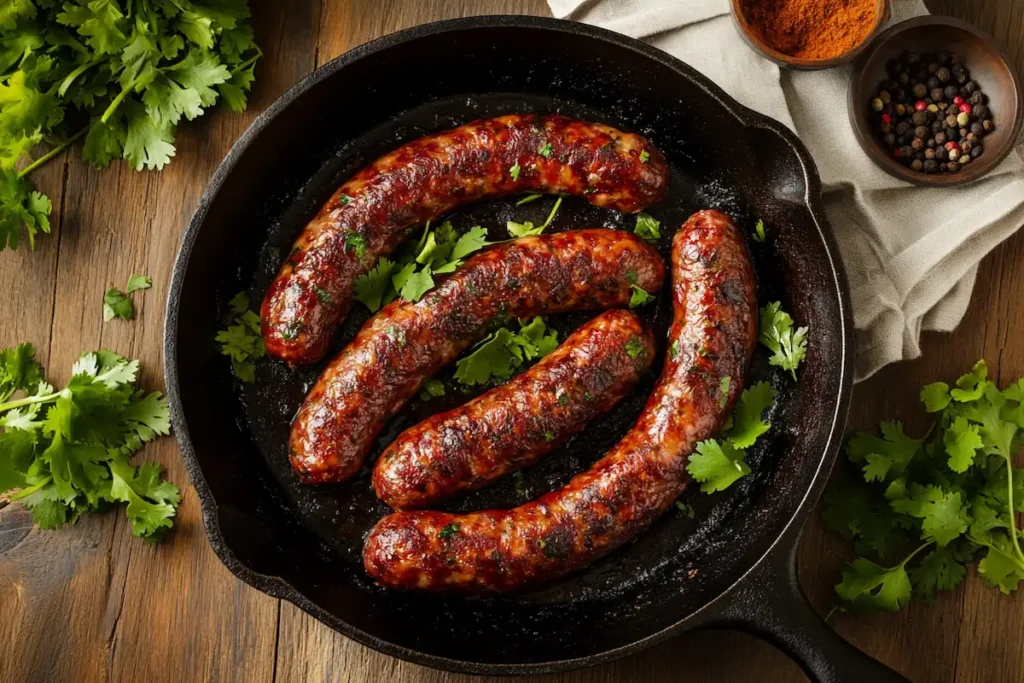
<point x="91" y="603"/>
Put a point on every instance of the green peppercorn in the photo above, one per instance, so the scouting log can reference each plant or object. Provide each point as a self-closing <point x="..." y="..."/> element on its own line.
<point x="963" y="119"/>
<point x="885" y="96"/>
<point x="920" y="90"/>
<point x="951" y="121"/>
<point x="877" y="104"/>
<point x="900" y="109"/>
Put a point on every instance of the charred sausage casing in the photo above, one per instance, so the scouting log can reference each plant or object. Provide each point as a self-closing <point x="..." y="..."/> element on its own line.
<point x="405" y="343"/>
<point x="516" y="424"/>
<point x="369" y="216"/>
<point x="712" y="337"/>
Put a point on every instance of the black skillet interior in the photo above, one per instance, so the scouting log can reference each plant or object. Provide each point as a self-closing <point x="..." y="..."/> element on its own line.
<point x="303" y="543"/>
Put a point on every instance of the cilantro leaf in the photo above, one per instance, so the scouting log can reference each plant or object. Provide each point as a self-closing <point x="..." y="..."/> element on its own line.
<point x="242" y="341"/>
<point x="19" y="370"/>
<point x="759" y="235"/>
<point x="503" y="352"/>
<point x="939" y="570"/>
<point x="640" y="297"/>
<point x="935" y="397"/>
<point x="21" y="207"/>
<point x="647" y="228"/>
<point x="944" y="517"/>
<point x="866" y="585"/>
<point x="962" y="442"/>
<point x="412" y="285"/>
<point x="117" y="305"/>
<point x="526" y="229"/>
<point x="716" y="465"/>
<point x="372" y="287"/>
<point x="748" y="423"/>
<point x="788" y="346"/>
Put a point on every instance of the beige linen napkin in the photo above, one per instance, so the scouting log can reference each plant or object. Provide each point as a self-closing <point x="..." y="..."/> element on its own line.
<point x="911" y="253"/>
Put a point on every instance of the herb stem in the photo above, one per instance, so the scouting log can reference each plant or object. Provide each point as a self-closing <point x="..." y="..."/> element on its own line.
<point x="52" y="153"/>
<point x="911" y="555"/>
<point x="116" y="102"/>
<point x="1010" y="505"/>
<point x="31" y="400"/>
<point x="31" y="489"/>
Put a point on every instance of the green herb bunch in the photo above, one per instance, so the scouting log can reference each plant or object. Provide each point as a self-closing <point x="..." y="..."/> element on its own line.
<point x="924" y="508"/>
<point x="121" y="73"/>
<point x="66" y="452"/>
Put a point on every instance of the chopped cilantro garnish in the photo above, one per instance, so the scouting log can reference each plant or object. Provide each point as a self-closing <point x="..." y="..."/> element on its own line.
<point x="640" y="297"/>
<point x="547" y="150"/>
<point x="644" y="156"/>
<point x="759" y="231"/>
<point x="647" y="227"/>
<point x="118" y="304"/>
<point x="723" y="391"/>
<point x="344" y="199"/>
<point x="448" y="531"/>
<point x="432" y="388"/>
<point x="635" y="348"/>
<point x="514" y="172"/>
<point x="503" y="352"/>
<point x="526" y="229"/>
<point x="357" y="243"/>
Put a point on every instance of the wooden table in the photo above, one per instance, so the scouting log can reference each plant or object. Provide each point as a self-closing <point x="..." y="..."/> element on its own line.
<point x="92" y="603"/>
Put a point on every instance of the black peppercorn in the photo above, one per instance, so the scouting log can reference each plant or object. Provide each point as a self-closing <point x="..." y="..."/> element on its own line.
<point x="906" y="151"/>
<point x="919" y="118"/>
<point x="943" y="57"/>
<point x="890" y="140"/>
<point x="963" y="133"/>
<point x="920" y="90"/>
<point x="937" y="126"/>
<point x="931" y="166"/>
<point x="941" y="154"/>
<point x="903" y="78"/>
<point x="942" y="74"/>
<point x="978" y="98"/>
<point x="885" y="96"/>
<point x="952" y="110"/>
<point x="951" y="121"/>
<point x="917" y="165"/>
<point x="958" y="68"/>
<point x="911" y="58"/>
<point x="894" y="67"/>
<point x="899" y="94"/>
<point x="952" y="167"/>
<point x="917" y="144"/>
<point x="977" y="129"/>
<point x="970" y="87"/>
<point x="902" y="128"/>
<point x="966" y="146"/>
<point x="933" y="83"/>
<point x="952" y="134"/>
<point x="976" y="151"/>
<point x="930" y="152"/>
<point x="961" y="78"/>
<point x="981" y="111"/>
<point x="940" y="138"/>
<point x="921" y="132"/>
<point x="936" y="94"/>
<point x="950" y="92"/>
<point x="933" y="67"/>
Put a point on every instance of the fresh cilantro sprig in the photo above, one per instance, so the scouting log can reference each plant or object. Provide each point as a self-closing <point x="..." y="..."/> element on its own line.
<point x="118" y="304"/>
<point x="788" y="345"/>
<point x="526" y="229"/>
<point x="63" y="453"/>
<point x="120" y="74"/>
<point x="439" y="250"/>
<point x="504" y="351"/>
<point x="719" y="463"/>
<point x="759" y="234"/>
<point x="925" y="508"/>
<point x="242" y="340"/>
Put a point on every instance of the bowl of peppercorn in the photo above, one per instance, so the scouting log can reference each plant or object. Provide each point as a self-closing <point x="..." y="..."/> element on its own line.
<point x="935" y="102"/>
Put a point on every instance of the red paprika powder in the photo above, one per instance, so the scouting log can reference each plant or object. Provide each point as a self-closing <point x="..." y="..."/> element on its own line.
<point x="812" y="29"/>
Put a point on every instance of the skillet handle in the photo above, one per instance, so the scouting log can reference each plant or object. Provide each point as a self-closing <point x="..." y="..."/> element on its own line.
<point x="770" y="605"/>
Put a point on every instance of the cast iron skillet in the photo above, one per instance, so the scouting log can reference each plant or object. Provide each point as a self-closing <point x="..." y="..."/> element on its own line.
<point x="731" y="564"/>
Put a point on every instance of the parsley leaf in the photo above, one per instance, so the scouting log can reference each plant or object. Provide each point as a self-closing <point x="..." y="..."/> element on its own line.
<point x="68" y="452"/>
<point x="647" y="228"/>
<point x="788" y="346"/>
<point x="243" y="340"/>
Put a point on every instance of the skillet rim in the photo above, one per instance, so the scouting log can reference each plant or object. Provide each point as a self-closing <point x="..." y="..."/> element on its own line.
<point x="276" y="586"/>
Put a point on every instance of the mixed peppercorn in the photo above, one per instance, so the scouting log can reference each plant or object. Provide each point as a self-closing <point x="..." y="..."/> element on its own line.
<point x="930" y="113"/>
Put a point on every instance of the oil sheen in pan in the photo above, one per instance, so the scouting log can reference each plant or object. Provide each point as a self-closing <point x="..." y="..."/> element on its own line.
<point x="341" y="514"/>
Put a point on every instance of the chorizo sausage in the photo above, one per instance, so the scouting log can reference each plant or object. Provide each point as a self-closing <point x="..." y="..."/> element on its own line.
<point x="369" y="216"/>
<point x="516" y="424"/>
<point x="405" y="343"/>
<point x="712" y="337"/>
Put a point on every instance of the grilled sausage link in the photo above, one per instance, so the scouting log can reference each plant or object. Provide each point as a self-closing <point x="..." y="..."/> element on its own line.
<point x="711" y="338"/>
<point x="516" y="424"/>
<point x="369" y="215"/>
<point x="406" y="343"/>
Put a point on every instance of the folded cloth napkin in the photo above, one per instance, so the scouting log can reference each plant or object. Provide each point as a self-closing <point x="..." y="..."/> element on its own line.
<point x="911" y="253"/>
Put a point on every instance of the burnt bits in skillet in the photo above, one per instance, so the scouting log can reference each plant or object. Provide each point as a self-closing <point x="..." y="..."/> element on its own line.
<point x="303" y="542"/>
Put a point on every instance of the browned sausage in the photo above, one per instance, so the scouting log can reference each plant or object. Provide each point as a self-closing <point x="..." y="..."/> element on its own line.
<point x="368" y="217"/>
<point x="406" y="343"/>
<point x="516" y="424"/>
<point x="712" y="337"/>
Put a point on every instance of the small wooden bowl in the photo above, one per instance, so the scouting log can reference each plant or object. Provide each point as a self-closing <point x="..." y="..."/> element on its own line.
<point x="757" y="42"/>
<point x="986" y="63"/>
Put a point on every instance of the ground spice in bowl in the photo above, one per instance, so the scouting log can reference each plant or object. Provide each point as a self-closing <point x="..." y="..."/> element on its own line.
<point x="812" y="29"/>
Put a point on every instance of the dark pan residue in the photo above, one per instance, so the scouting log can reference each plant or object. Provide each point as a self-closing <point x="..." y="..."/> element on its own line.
<point x="265" y="524"/>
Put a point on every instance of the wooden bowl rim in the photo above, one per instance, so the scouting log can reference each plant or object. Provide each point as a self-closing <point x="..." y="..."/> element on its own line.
<point x="873" y="148"/>
<point x="754" y="40"/>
